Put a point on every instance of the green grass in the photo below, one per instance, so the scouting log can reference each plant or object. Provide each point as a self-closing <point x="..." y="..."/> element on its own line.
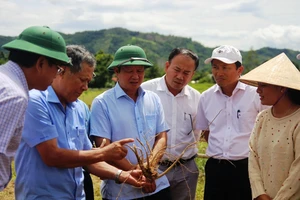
<point x="87" y="97"/>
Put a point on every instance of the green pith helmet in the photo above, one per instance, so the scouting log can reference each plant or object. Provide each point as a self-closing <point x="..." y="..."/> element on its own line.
<point x="128" y="56"/>
<point x="42" y="41"/>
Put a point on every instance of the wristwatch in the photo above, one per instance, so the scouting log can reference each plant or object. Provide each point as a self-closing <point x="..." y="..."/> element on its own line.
<point x="117" y="176"/>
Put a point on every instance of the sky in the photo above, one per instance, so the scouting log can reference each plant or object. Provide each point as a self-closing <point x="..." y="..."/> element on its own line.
<point x="245" y="24"/>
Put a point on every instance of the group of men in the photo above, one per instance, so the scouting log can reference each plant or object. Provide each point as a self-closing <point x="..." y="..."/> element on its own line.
<point x="50" y="129"/>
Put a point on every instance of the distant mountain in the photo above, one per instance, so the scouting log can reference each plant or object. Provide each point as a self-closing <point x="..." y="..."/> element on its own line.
<point x="158" y="46"/>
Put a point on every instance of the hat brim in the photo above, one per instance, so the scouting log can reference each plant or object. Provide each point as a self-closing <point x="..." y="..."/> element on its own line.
<point x="129" y="63"/>
<point x="29" y="47"/>
<point x="224" y="60"/>
<point x="279" y="71"/>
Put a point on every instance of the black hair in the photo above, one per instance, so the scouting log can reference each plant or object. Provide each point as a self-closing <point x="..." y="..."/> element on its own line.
<point x="238" y="64"/>
<point x="23" y="58"/>
<point x="184" y="51"/>
<point x="293" y="95"/>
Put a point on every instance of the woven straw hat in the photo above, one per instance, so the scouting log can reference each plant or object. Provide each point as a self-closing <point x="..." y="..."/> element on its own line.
<point x="278" y="71"/>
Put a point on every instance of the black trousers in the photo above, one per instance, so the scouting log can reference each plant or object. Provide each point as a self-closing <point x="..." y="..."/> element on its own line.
<point x="164" y="194"/>
<point x="227" y="180"/>
<point x="88" y="186"/>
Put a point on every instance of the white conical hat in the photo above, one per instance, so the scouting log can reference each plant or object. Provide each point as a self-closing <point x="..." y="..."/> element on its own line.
<point x="278" y="71"/>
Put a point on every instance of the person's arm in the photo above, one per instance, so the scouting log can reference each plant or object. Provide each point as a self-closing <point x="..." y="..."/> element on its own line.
<point x="291" y="185"/>
<point x="54" y="156"/>
<point x="256" y="181"/>
<point x="123" y="164"/>
<point x="106" y="171"/>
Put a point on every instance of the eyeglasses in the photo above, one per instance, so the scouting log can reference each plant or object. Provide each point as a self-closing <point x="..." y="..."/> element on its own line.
<point x="59" y="69"/>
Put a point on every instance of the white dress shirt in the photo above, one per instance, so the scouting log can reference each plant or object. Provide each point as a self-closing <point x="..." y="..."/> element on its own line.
<point x="180" y="112"/>
<point x="229" y="120"/>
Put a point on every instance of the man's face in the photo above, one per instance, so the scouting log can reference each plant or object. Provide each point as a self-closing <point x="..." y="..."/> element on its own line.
<point x="73" y="85"/>
<point x="225" y="74"/>
<point x="130" y="77"/>
<point x="47" y="70"/>
<point x="179" y="72"/>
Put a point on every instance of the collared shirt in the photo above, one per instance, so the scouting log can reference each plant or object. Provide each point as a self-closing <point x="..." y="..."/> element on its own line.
<point x="46" y="119"/>
<point x="229" y="119"/>
<point x="115" y="116"/>
<point x="13" y="103"/>
<point x="180" y="113"/>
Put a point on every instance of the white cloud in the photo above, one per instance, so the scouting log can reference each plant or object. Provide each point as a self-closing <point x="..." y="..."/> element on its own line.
<point x="242" y="23"/>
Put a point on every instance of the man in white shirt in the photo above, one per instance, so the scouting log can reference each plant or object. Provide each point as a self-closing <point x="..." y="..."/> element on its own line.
<point x="227" y="112"/>
<point x="180" y="103"/>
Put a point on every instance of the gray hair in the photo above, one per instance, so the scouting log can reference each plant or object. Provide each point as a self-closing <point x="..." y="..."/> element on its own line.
<point x="78" y="55"/>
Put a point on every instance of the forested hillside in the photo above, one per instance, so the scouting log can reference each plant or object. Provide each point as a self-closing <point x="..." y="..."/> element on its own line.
<point x="104" y="43"/>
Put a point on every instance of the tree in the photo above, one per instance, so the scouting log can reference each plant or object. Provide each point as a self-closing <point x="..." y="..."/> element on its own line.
<point x="103" y="76"/>
<point x="250" y="61"/>
<point x="153" y="72"/>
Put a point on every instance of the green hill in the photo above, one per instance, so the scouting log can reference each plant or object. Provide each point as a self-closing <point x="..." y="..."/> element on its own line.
<point x="158" y="46"/>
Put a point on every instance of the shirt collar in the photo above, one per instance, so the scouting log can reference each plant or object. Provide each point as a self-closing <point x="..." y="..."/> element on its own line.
<point x="52" y="97"/>
<point x="16" y="69"/>
<point x="239" y="86"/>
<point x="162" y="86"/>
<point x="120" y="92"/>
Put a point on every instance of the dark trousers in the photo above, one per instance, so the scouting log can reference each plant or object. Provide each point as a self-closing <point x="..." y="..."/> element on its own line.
<point x="88" y="186"/>
<point x="227" y="180"/>
<point x="164" y="194"/>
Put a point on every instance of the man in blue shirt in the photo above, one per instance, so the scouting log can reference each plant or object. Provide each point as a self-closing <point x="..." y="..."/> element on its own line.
<point x="55" y="145"/>
<point x="129" y="111"/>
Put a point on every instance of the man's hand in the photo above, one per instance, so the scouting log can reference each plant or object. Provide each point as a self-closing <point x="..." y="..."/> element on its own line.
<point x="133" y="177"/>
<point x="150" y="186"/>
<point x="136" y="178"/>
<point x="263" y="197"/>
<point x="115" y="150"/>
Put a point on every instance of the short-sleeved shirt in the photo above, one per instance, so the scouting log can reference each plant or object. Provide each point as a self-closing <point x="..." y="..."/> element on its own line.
<point x="229" y="120"/>
<point x="115" y="116"/>
<point x="180" y="113"/>
<point x="47" y="119"/>
<point x="13" y="103"/>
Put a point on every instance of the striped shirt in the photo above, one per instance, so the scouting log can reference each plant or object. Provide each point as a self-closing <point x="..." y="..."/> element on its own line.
<point x="13" y="103"/>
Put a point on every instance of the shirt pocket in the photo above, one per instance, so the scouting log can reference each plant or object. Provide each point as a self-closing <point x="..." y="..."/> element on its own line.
<point x="150" y="125"/>
<point x="79" y="137"/>
<point x="245" y="121"/>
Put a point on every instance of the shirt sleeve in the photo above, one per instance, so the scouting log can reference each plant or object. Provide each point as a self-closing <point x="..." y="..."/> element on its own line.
<point x="38" y="126"/>
<point x="11" y="121"/>
<point x="161" y="124"/>
<point x="291" y="185"/>
<point x="201" y="120"/>
<point x="100" y="125"/>
<point x="256" y="181"/>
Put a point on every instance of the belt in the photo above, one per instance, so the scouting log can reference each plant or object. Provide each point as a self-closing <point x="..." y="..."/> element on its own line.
<point x="224" y="161"/>
<point x="168" y="163"/>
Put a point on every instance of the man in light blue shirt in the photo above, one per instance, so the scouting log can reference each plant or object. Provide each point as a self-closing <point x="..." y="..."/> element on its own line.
<point x="55" y="146"/>
<point x="129" y="111"/>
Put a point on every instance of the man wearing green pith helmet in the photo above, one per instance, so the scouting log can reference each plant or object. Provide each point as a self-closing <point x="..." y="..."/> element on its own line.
<point x="34" y="61"/>
<point x="129" y="111"/>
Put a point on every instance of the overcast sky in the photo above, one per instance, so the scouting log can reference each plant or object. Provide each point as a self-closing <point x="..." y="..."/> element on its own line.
<point x="244" y="24"/>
